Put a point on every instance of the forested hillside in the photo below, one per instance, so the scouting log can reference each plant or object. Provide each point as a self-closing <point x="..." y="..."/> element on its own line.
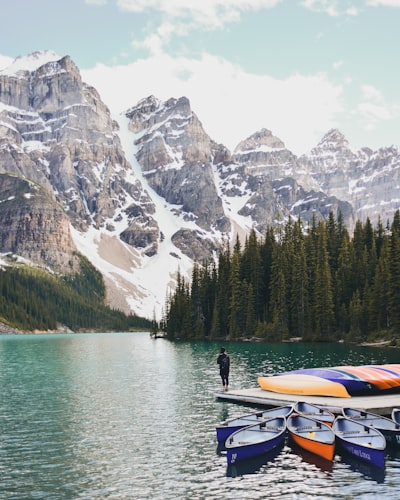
<point x="316" y="282"/>
<point x="32" y="299"/>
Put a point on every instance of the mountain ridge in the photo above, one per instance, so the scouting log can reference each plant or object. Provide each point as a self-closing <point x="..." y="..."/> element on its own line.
<point x="148" y="192"/>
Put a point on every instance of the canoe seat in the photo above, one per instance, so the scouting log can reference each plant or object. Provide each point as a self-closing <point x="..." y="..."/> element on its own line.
<point x="273" y="428"/>
<point x="306" y="428"/>
<point x="352" y="432"/>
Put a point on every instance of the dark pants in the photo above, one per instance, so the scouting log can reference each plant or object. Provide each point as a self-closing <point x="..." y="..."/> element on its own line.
<point x="224" y="377"/>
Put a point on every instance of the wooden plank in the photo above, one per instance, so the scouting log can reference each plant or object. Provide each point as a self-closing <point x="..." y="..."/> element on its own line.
<point x="381" y="404"/>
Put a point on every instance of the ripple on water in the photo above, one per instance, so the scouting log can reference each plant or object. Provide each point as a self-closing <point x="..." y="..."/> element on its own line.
<point x="122" y="416"/>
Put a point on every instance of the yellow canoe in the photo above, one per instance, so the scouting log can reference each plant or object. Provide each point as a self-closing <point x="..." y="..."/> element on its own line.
<point x="307" y="385"/>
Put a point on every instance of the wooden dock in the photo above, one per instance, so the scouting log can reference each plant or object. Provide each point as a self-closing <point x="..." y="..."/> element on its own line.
<point x="380" y="404"/>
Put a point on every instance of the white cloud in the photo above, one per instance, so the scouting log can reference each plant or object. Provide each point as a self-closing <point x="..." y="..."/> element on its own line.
<point x="231" y="103"/>
<point x="374" y="109"/>
<point x="180" y="17"/>
<point x="384" y="3"/>
<point x="212" y="13"/>
<point x="369" y="92"/>
<point x="333" y="8"/>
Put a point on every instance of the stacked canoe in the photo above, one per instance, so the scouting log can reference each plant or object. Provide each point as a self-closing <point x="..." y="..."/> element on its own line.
<point x="337" y="381"/>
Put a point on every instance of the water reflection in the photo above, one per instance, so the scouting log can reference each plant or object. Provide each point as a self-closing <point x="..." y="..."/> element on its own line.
<point x="368" y="471"/>
<point x="312" y="459"/>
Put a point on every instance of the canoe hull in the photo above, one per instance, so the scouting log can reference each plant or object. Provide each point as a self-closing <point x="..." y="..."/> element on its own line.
<point x="389" y="428"/>
<point x="323" y="450"/>
<point x="312" y="435"/>
<point x="337" y="381"/>
<point x="353" y="384"/>
<point x="307" y="385"/>
<point x="315" y="412"/>
<point x="363" y="442"/>
<point x="241" y="453"/>
<point x="374" y="457"/>
<point x="223" y="432"/>
<point x="255" y="440"/>
<point x="227" y="428"/>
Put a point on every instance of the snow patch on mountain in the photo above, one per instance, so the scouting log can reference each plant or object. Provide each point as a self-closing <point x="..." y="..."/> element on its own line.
<point x="29" y="63"/>
<point x="151" y="278"/>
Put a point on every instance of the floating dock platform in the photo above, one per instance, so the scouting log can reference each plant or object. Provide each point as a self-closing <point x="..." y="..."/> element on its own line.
<point x="382" y="404"/>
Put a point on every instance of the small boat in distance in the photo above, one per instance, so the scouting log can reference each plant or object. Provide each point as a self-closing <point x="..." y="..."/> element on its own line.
<point x="312" y="435"/>
<point x="364" y="442"/>
<point x="315" y="412"/>
<point x="255" y="440"/>
<point x="389" y="428"/>
<point x="228" y="427"/>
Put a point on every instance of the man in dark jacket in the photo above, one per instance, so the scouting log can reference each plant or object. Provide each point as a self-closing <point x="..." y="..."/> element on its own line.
<point x="224" y="364"/>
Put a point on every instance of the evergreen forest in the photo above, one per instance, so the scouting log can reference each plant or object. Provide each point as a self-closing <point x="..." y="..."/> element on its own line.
<point x="32" y="299"/>
<point x="312" y="283"/>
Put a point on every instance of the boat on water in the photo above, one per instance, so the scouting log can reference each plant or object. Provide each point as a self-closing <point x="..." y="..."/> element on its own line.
<point x="389" y="428"/>
<point x="302" y="384"/>
<point x="315" y="412"/>
<point x="256" y="439"/>
<point x="312" y="435"/>
<point x="228" y="427"/>
<point x="362" y="441"/>
<point x="336" y="381"/>
<point x="253" y="465"/>
<point x="396" y="415"/>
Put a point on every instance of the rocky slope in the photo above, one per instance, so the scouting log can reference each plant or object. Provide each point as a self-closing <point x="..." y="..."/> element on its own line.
<point x="148" y="192"/>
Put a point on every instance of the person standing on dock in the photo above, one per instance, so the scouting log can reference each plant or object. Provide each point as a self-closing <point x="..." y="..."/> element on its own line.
<point x="224" y="365"/>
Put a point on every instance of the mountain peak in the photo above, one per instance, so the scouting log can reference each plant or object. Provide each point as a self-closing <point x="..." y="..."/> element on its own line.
<point x="262" y="140"/>
<point x="31" y="62"/>
<point x="333" y="139"/>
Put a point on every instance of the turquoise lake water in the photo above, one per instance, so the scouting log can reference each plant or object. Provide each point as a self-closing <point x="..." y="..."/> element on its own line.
<point x="121" y="416"/>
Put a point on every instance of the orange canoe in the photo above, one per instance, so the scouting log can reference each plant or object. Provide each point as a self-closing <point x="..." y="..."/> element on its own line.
<point x="312" y="435"/>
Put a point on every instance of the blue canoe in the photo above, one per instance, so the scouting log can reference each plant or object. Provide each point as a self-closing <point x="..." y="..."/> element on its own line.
<point x="389" y="428"/>
<point x="363" y="442"/>
<point x="228" y="427"/>
<point x="255" y="440"/>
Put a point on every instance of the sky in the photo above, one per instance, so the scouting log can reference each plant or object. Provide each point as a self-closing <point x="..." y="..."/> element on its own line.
<point x="295" y="67"/>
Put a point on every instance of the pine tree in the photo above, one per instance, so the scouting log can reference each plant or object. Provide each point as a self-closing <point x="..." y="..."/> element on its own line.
<point x="323" y="298"/>
<point x="379" y="303"/>
<point x="300" y="322"/>
<point x="279" y="306"/>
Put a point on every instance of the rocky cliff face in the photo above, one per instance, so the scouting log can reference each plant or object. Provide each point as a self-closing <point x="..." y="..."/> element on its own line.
<point x="366" y="179"/>
<point x="55" y="130"/>
<point x="144" y="194"/>
<point x="177" y="159"/>
<point x="268" y="178"/>
<point x="34" y="226"/>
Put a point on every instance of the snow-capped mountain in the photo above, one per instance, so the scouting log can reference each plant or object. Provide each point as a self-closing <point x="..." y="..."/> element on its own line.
<point x="148" y="192"/>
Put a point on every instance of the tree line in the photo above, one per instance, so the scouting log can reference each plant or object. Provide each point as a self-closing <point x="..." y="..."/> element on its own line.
<point x="315" y="283"/>
<point x="32" y="299"/>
